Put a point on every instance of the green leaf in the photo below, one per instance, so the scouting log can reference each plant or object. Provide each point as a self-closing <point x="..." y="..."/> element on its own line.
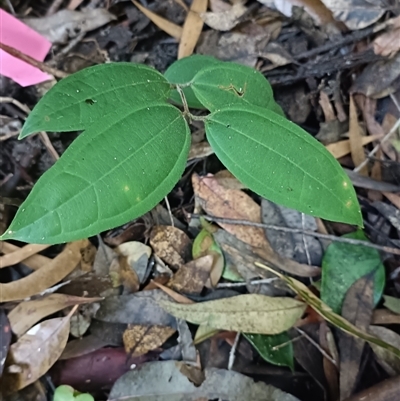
<point x="228" y="84"/>
<point x="96" y="92"/>
<point x="343" y="264"/>
<point x="182" y="72"/>
<point x="104" y="180"/>
<point x="253" y="313"/>
<point x="392" y="303"/>
<point x="271" y="348"/>
<point x="280" y="161"/>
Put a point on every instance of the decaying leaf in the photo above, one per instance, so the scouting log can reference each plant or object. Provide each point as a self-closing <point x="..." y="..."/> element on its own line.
<point x="28" y="313"/>
<point x="192" y="28"/>
<point x="44" y="278"/>
<point x="357" y="309"/>
<point x="252" y="313"/>
<point x="34" y="353"/>
<point x="171" y="244"/>
<point x="140" y="339"/>
<point x="224" y="20"/>
<point x="386" y="359"/>
<point x="5" y="339"/>
<point x="66" y="24"/>
<point x="166" y="381"/>
<point x="192" y="277"/>
<point x="21" y="254"/>
<point x="326" y="312"/>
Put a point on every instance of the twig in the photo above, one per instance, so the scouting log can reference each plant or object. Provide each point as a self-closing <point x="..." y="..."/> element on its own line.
<point x="351" y="241"/>
<point x="377" y="147"/>
<point x="31" y="61"/>
<point x="10" y="7"/>
<point x="42" y="135"/>
<point x="322" y="351"/>
<point x="347" y="40"/>
<point x="169" y="211"/>
<point x="244" y="283"/>
<point x="232" y="352"/>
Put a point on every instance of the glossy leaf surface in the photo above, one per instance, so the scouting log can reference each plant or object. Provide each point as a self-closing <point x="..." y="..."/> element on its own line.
<point x="228" y="84"/>
<point x="276" y="349"/>
<point x="96" y="92"/>
<point x="104" y="180"/>
<point x="343" y="264"/>
<point x="182" y="72"/>
<point x="280" y="161"/>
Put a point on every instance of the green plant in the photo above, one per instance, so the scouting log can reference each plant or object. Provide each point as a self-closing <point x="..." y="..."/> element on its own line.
<point x="134" y="147"/>
<point x="67" y="393"/>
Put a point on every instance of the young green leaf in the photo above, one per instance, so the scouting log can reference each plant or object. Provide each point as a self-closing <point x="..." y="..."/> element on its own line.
<point x="276" y="349"/>
<point x="104" y="180"/>
<point x="228" y="84"/>
<point x="182" y="72"/>
<point x="281" y="162"/>
<point x="343" y="264"/>
<point x="81" y="99"/>
<point x="253" y="313"/>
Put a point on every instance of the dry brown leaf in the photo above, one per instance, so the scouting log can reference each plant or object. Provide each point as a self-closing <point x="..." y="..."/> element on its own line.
<point x="174" y="295"/>
<point x="342" y="148"/>
<point x="21" y="254"/>
<point x="35" y="353"/>
<point x="139" y="339"/>
<point x="170" y="244"/>
<point x="395" y="199"/>
<point x="200" y="150"/>
<point x="192" y="28"/>
<point x="228" y="180"/>
<point x="34" y="262"/>
<point x="28" y="313"/>
<point x="388" y="44"/>
<point x="192" y="277"/>
<point x="384" y="316"/>
<point x="355" y="137"/>
<point x="122" y="274"/>
<point x="224" y="20"/>
<point x="167" y="26"/>
<point x="385" y="358"/>
<point x="44" y="278"/>
<point x="234" y="204"/>
<point x="327" y="107"/>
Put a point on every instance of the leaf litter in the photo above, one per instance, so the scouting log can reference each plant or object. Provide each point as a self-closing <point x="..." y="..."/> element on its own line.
<point x="166" y="288"/>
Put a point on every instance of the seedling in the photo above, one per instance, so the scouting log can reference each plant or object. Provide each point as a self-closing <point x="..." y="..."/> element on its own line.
<point x="67" y="393"/>
<point x="135" y="143"/>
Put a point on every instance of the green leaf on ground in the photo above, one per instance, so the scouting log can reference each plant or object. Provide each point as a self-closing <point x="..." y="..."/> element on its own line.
<point x="276" y="349"/>
<point x="392" y="303"/>
<point x="281" y="162"/>
<point x="87" y="192"/>
<point x="228" y="84"/>
<point x="343" y="264"/>
<point x="182" y="72"/>
<point x="99" y="92"/>
<point x="252" y="313"/>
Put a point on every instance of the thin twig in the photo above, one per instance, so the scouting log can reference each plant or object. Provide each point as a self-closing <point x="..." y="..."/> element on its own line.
<point x="244" y="283"/>
<point x="377" y="147"/>
<point x="169" y="211"/>
<point x="232" y="352"/>
<point x="31" y="61"/>
<point x="316" y="345"/>
<point x="351" y="241"/>
<point x="42" y="135"/>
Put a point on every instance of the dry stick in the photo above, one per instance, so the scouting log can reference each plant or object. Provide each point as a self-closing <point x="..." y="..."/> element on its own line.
<point x="42" y="135"/>
<point x="31" y="61"/>
<point x="244" y="283"/>
<point x="316" y="345"/>
<point x="351" y="241"/>
<point x="232" y="353"/>
<point x="384" y="139"/>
